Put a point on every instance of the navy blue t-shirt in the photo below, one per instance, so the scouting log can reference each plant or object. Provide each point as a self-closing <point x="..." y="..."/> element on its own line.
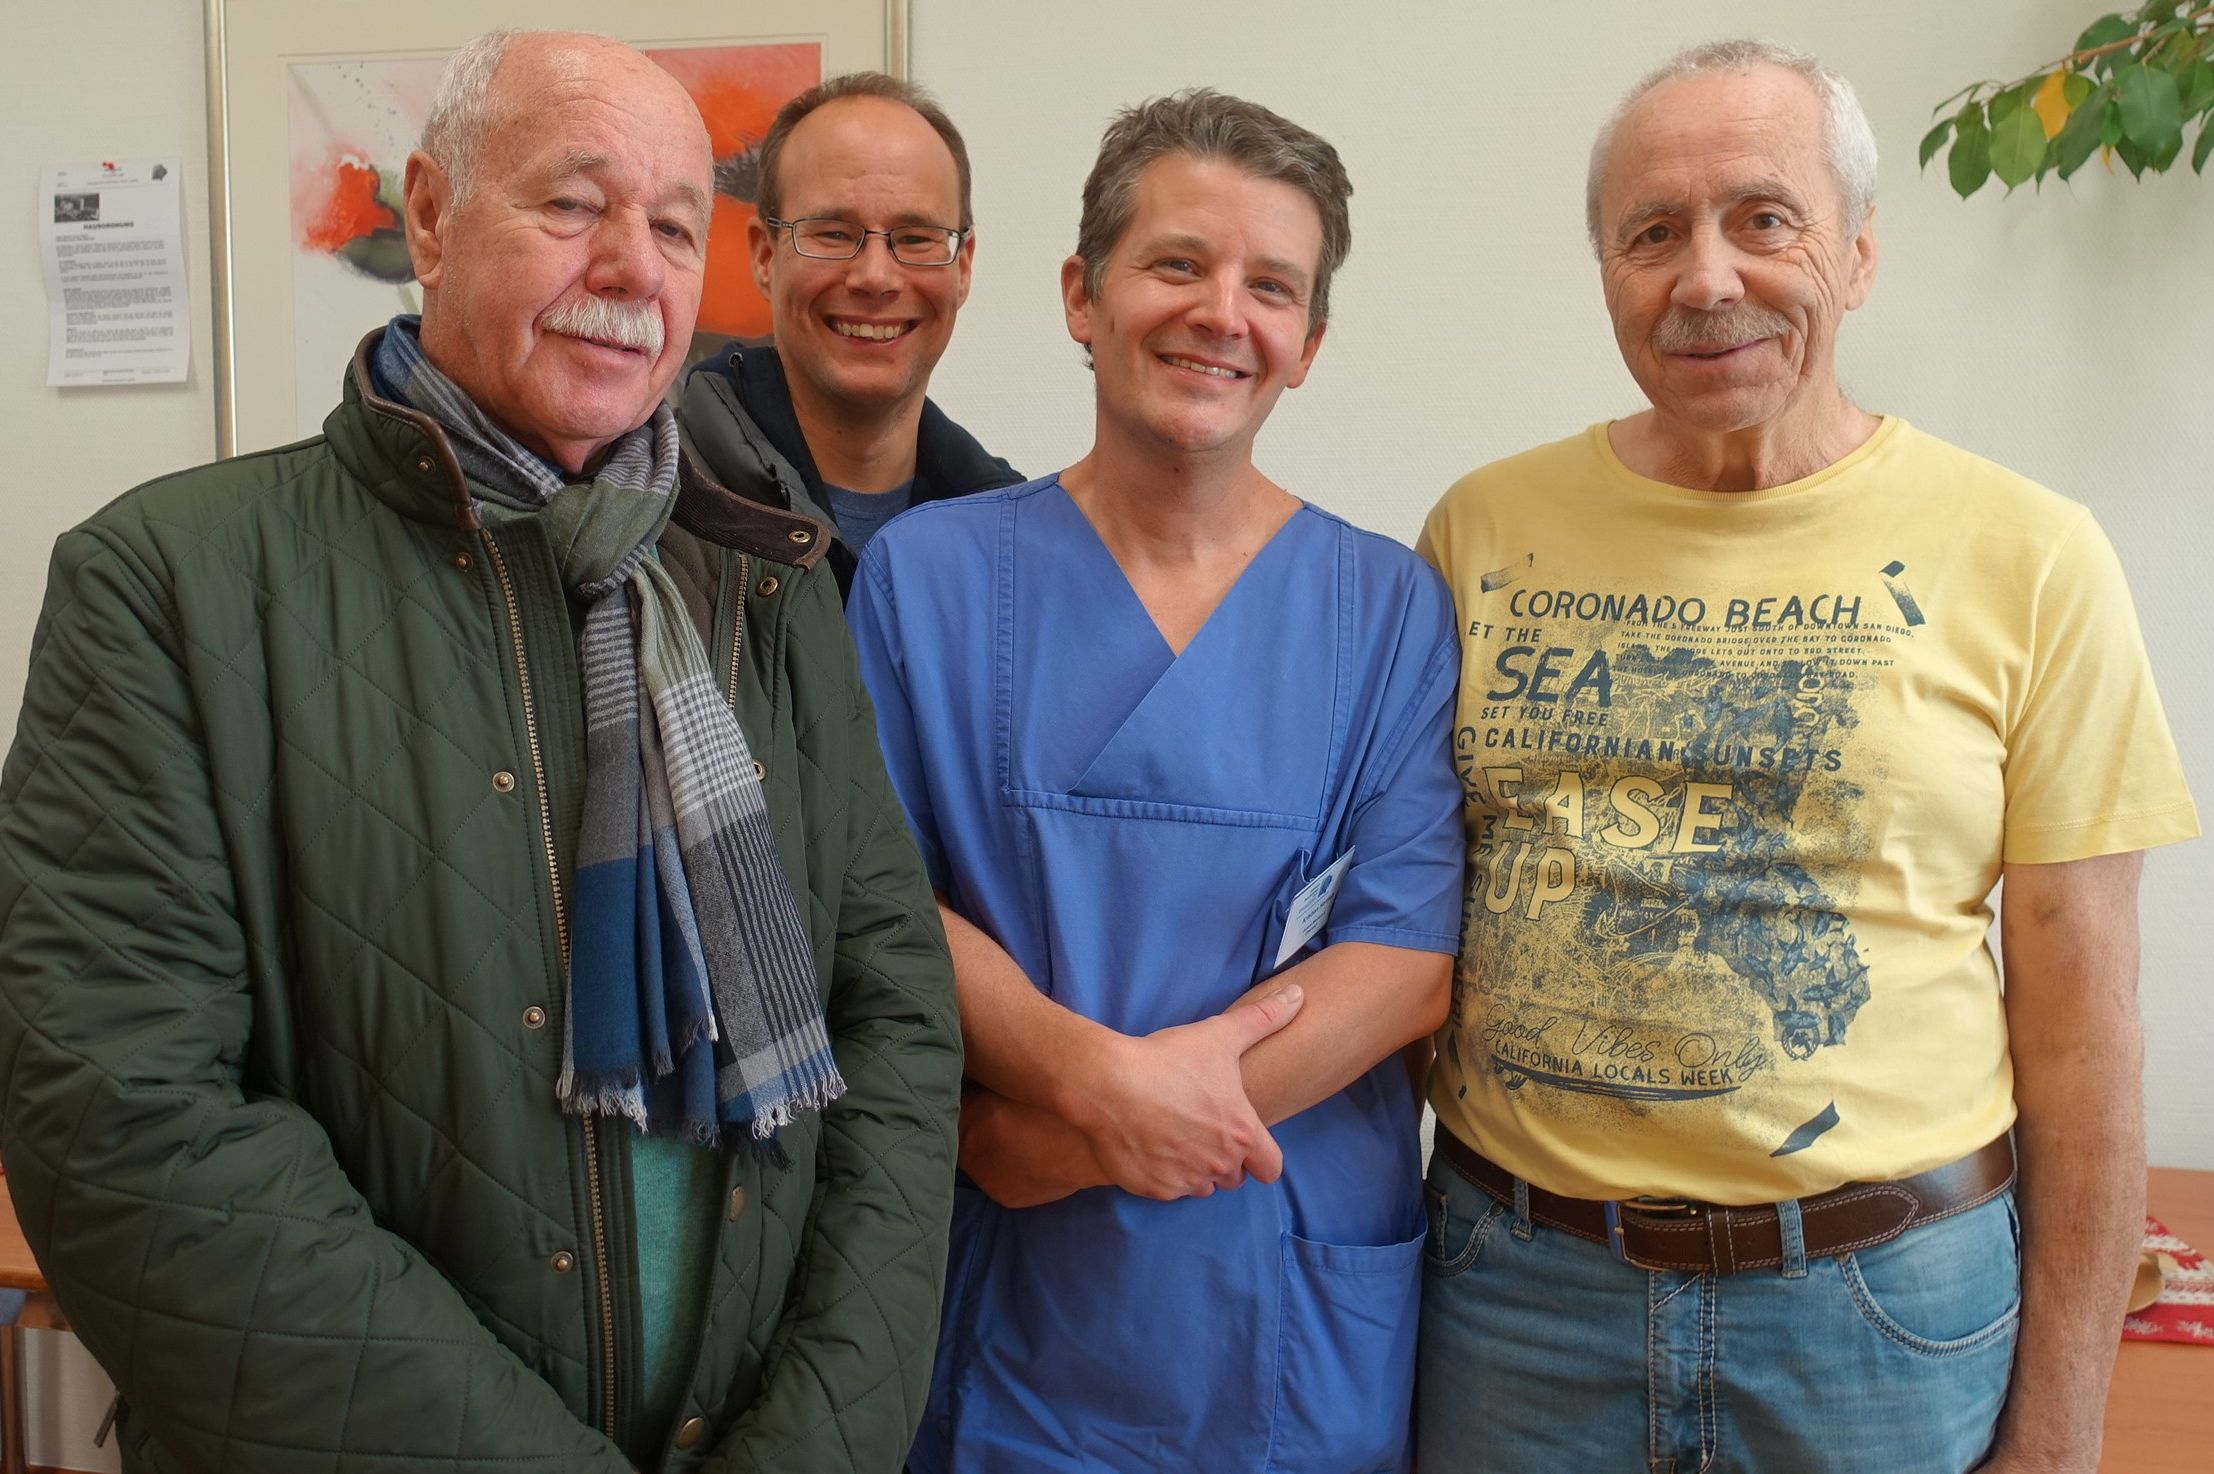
<point x="861" y="513"/>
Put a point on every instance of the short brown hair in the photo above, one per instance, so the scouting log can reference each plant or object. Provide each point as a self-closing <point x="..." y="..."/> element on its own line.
<point x="859" y="84"/>
<point x="1207" y="124"/>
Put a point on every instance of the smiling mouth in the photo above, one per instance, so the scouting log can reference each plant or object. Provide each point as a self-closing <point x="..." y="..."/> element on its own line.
<point x="1212" y="370"/>
<point x="872" y="332"/>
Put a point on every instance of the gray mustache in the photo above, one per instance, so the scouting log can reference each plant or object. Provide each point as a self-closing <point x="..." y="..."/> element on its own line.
<point x="1686" y="331"/>
<point x="605" y="320"/>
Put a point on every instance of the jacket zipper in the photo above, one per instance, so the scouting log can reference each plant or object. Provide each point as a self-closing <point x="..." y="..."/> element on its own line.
<point x="737" y="637"/>
<point x="561" y="933"/>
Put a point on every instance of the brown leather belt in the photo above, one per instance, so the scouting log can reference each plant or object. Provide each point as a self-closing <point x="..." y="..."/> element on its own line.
<point x="1707" y="1238"/>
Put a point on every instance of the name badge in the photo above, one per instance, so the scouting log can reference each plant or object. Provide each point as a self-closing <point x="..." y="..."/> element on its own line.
<point x="1310" y="909"/>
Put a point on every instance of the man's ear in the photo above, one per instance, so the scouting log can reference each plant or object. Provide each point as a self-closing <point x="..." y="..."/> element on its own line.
<point x="760" y="253"/>
<point x="426" y="199"/>
<point x="964" y="263"/>
<point x="1307" y="353"/>
<point x="1076" y="303"/>
<point x="1861" y="277"/>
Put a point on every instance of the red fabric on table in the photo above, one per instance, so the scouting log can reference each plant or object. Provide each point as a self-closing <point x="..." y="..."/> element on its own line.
<point x="2185" y="1309"/>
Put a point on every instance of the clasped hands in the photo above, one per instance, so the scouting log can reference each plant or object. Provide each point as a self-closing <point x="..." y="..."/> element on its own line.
<point x="1162" y="1116"/>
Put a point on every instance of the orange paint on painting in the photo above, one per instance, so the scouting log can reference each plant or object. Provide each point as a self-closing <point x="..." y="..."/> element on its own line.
<point x="350" y="212"/>
<point x="738" y="90"/>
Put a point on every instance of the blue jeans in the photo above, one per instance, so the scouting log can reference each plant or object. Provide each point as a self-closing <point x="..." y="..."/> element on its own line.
<point x="1541" y="1353"/>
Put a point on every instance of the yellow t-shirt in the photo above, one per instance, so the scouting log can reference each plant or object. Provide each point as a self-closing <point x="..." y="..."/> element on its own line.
<point x="1740" y="770"/>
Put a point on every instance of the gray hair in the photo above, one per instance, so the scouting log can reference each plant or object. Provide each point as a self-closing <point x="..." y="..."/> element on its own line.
<point x="461" y="115"/>
<point x="1848" y="143"/>
<point x="1207" y="124"/>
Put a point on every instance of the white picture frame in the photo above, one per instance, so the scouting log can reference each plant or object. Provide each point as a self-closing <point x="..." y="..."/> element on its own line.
<point x="262" y="54"/>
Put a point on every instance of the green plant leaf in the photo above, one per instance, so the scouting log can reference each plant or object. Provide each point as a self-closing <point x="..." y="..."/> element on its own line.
<point x="2003" y="103"/>
<point x="2105" y="31"/>
<point x="2076" y="89"/>
<point x="2197" y="84"/>
<point x="2080" y="139"/>
<point x="1969" y="164"/>
<point x="1934" y="140"/>
<point x="2151" y="107"/>
<point x="1957" y="96"/>
<point x="2132" y="157"/>
<point x="2017" y="146"/>
<point x="2165" y="154"/>
<point x="2203" y="147"/>
<point x="2110" y="124"/>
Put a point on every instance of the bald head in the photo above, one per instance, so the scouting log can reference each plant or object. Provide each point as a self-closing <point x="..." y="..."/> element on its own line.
<point x="478" y="90"/>
<point x="1848" y="142"/>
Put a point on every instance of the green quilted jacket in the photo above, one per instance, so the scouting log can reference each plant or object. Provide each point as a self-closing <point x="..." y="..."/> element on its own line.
<point x="283" y="839"/>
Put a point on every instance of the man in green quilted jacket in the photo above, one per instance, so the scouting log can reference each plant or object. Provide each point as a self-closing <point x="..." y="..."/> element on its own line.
<point x="468" y="997"/>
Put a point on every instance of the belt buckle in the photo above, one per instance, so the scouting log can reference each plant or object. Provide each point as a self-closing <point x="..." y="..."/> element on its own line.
<point x="1617" y="1243"/>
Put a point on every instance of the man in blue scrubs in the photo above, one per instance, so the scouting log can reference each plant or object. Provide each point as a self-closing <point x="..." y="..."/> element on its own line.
<point x="1175" y="746"/>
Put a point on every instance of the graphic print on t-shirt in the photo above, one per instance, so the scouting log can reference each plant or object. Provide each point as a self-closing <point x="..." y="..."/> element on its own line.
<point x="1664" y="788"/>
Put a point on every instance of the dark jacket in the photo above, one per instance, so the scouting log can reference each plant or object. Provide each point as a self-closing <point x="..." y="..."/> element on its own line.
<point x="282" y="840"/>
<point x="737" y="417"/>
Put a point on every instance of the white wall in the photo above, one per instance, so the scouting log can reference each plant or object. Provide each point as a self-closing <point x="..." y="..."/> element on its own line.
<point x="2065" y="335"/>
<point x="79" y="82"/>
<point x="83" y="81"/>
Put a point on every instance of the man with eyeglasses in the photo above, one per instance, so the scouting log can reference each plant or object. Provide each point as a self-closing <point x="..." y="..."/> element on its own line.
<point x="862" y="243"/>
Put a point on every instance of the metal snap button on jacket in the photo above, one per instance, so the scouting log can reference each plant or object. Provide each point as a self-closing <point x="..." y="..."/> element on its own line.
<point x="692" y="1432"/>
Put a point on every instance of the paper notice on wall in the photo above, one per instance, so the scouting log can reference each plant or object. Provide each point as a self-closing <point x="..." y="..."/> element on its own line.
<point x="111" y="239"/>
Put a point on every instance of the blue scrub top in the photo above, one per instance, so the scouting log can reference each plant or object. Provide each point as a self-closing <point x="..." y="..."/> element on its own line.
<point x="1131" y="824"/>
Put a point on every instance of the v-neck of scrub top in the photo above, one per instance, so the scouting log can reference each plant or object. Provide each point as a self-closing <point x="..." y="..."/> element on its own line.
<point x="1098" y="713"/>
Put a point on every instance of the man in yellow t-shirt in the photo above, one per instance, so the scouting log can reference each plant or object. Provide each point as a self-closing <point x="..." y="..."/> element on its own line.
<point x="1761" y="696"/>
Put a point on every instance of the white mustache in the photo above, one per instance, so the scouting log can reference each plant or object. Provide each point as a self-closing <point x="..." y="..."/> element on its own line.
<point x="605" y="320"/>
<point x="1686" y="331"/>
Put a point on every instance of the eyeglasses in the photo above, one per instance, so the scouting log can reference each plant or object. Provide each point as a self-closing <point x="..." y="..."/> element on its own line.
<point x="826" y="239"/>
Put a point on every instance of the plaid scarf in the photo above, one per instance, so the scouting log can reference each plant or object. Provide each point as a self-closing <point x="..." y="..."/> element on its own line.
<point x="692" y="1000"/>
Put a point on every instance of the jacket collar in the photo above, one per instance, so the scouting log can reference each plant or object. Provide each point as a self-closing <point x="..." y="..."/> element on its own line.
<point x="948" y="460"/>
<point x="405" y="459"/>
<point x="713" y="511"/>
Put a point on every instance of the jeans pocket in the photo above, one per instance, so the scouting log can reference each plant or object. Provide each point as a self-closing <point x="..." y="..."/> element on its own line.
<point x="1947" y="1288"/>
<point x="1460" y="1224"/>
<point x="1345" y="1359"/>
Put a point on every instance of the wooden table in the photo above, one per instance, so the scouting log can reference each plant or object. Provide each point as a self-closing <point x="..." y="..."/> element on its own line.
<point x="2160" y="1415"/>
